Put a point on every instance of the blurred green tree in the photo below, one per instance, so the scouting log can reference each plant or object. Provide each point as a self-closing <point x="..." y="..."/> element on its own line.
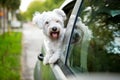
<point x="41" y="6"/>
<point x="7" y="6"/>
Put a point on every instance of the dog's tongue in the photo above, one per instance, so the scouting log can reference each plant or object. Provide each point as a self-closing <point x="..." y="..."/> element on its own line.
<point x="55" y="35"/>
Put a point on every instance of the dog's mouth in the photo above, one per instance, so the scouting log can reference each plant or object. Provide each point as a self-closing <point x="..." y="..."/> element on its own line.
<point x="54" y="35"/>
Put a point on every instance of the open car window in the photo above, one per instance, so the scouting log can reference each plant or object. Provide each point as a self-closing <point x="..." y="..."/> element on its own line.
<point x="68" y="9"/>
<point x="69" y="29"/>
<point x="95" y="43"/>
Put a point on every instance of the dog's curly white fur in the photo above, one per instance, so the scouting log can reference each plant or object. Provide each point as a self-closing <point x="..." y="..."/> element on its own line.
<point x="52" y="24"/>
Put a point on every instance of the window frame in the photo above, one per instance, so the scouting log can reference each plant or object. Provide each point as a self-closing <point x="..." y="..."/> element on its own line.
<point x="76" y="12"/>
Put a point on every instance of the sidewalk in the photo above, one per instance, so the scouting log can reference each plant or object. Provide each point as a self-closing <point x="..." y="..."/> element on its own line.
<point x="32" y="41"/>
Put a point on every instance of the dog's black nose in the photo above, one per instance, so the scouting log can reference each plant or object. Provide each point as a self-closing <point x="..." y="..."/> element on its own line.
<point x="54" y="28"/>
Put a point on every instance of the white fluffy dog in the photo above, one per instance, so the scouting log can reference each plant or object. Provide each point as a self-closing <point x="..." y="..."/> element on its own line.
<point x="52" y="24"/>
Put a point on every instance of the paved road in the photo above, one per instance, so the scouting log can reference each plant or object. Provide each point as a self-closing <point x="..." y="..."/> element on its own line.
<point x="32" y="41"/>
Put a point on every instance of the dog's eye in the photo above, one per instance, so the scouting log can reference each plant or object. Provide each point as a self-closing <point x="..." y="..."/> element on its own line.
<point x="46" y="22"/>
<point x="57" y="21"/>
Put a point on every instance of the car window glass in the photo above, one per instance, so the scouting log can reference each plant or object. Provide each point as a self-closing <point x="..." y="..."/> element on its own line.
<point x="79" y="46"/>
<point x="95" y="44"/>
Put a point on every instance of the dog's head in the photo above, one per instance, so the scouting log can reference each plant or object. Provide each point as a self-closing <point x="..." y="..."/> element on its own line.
<point x="52" y="22"/>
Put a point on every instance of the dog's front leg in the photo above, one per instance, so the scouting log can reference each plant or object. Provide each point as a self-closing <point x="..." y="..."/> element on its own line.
<point x="46" y="59"/>
<point x="54" y="57"/>
<point x="48" y="53"/>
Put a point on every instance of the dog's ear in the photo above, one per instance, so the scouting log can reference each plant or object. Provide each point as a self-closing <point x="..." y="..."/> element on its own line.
<point x="60" y="13"/>
<point x="37" y="19"/>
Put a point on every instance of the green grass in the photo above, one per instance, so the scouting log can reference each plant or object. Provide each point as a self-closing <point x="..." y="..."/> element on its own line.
<point x="10" y="52"/>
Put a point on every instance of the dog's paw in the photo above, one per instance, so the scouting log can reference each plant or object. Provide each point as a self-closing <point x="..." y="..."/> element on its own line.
<point x="45" y="62"/>
<point x="53" y="60"/>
